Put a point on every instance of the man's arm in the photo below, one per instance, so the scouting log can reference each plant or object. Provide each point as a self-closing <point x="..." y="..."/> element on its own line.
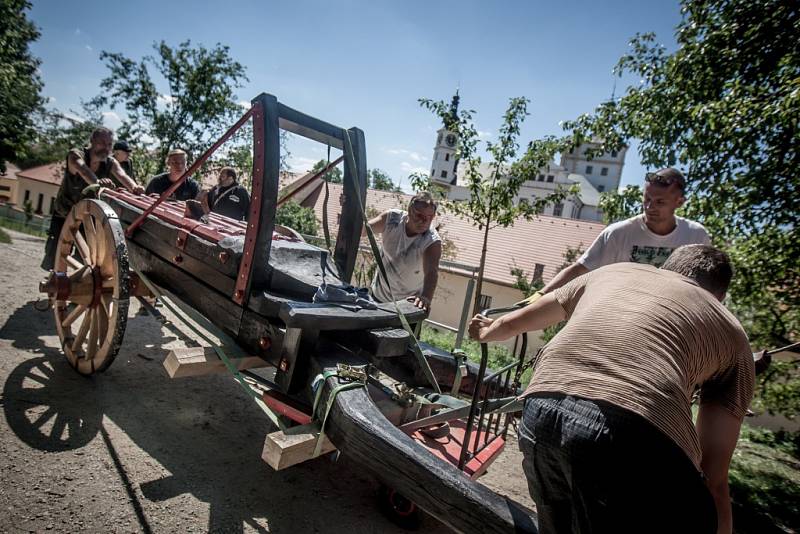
<point x="378" y="224"/>
<point x="122" y="176"/>
<point x="76" y="165"/>
<point x="430" y="269"/>
<point x="544" y="312"/>
<point x="718" y="431"/>
<point x="566" y="275"/>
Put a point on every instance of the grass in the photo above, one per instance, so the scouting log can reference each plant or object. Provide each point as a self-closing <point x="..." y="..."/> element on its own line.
<point x="4" y="237"/>
<point x="765" y="482"/>
<point x="21" y="227"/>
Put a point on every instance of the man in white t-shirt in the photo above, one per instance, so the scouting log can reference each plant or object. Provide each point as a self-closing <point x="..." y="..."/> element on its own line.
<point x="647" y="238"/>
<point x="410" y="251"/>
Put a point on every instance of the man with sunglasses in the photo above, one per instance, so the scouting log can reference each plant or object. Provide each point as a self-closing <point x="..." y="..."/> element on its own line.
<point x="410" y="251"/>
<point x="646" y="238"/>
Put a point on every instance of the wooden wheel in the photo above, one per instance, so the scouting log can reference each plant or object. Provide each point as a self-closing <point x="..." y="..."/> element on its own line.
<point x="91" y="286"/>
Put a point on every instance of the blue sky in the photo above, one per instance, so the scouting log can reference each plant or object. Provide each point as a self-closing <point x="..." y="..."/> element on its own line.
<point x="365" y="64"/>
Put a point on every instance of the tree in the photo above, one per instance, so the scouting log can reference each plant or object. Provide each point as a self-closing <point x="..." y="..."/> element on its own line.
<point x="297" y="217"/>
<point x="333" y="176"/>
<point x="725" y="107"/>
<point x="195" y="109"/>
<point x="491" y="201"/>
<point x="20" y="84"/>
<point x="379" y="180"/>
<point x="621" y="205"/>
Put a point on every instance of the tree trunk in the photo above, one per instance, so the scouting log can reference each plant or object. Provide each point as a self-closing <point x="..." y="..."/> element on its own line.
<point x="479" y="285"/>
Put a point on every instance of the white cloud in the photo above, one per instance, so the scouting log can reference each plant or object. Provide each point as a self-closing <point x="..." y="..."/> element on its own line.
<point x="410" y="168"/>
<point x="89" y="48"/>
<point x="51" y="100"/>
<point x="165" y="99"/>
<point x="77" y="31"/>
<point x="484" y="135"/>
<point x="301" y="163"/>
<point x="403" y="152"/>
<point x="244" y="104"/>
<point x="111" y="120"/>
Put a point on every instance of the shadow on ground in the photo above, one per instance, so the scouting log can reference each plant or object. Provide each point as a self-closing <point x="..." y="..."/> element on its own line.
<point x="205" y="431"/>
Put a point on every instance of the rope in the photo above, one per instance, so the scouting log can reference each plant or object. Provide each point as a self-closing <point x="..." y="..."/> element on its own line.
<point x="426" y="368"/>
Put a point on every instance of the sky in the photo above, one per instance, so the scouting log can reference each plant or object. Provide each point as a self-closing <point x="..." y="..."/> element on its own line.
<point x="365" y="64"/>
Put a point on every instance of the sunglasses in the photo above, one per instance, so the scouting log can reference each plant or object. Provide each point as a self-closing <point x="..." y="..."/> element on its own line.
<point x="655" y="178"/>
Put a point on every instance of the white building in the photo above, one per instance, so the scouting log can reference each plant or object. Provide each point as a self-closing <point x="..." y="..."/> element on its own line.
<point x="592" y="176"/>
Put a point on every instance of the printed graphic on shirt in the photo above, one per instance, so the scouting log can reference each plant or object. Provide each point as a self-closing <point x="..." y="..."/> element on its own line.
<point x="651" y="255"/>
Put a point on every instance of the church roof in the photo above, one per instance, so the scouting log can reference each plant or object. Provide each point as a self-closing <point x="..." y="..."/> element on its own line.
<point x="589" y="195"/>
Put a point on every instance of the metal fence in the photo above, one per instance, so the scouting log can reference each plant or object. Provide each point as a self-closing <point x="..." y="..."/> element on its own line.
<point x="15" y="219"/>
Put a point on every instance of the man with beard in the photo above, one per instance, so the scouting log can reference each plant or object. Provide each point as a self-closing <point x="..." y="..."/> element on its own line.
<point x="228" y="197"/>
<point x="84" y="167"/>
<point x="646" y="238"/>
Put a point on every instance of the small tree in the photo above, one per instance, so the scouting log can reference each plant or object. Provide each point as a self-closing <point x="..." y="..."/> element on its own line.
<point x="333" y="176"/>
<point x="195" y="107"/>
<point x="297" y="217"/>
<point x="492" y="195"/>
<point x="621" y="205"/>
<point x="20" y="84"/>
<point x="27" y="207"/>
<point x="379" y="180"/>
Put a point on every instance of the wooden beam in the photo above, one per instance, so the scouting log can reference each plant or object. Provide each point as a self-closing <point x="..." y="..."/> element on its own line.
<point x="198" y="361"/>
<point x="295" y="445"/>
<point x="355" y="183"/>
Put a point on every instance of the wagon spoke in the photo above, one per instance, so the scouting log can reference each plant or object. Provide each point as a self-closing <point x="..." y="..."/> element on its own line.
<point x="83" y="248"/>
<point x="82" y="331"/>
<point x="73" y="315"/>
<point x="91" y="237"/>
<point x="75" y="264"/>
<point x="91" y="349"/>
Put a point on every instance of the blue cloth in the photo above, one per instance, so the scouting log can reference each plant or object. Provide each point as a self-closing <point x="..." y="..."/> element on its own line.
<point x="344" y="294"/>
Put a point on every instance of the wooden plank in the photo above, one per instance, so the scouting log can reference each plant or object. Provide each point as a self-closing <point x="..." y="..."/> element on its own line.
<point x="310" y="127"/>
<point x="340" y="317"/>
<point x="284" y="449"/>
<point x="198" y="361"/>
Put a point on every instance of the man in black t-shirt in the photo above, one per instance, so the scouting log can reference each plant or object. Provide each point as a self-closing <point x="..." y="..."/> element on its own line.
<point x="176" y="163"/>
<point x="228" y="197"/>
<point x="122" y="153"/>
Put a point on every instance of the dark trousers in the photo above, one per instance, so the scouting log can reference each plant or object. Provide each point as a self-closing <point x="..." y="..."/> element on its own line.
<point x="593" y="468"/>
<point x="53" y="234"/>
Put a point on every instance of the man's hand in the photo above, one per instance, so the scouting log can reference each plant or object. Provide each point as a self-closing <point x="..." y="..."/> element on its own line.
<point x="106" y="182"/>
<point x="420" y="302"/>
<point x="479" y="327"/>
<point x="137" y="189"/>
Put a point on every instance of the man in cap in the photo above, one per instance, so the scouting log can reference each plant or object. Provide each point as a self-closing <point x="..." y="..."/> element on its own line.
<point x="122" y="153"/>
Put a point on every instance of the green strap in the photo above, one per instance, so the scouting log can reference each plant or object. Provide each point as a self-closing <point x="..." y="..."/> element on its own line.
<point x="329" y="404"/>
<point x="196" y="317"/>
<point x="325" y="230"/>
<point x="426" y="368"/>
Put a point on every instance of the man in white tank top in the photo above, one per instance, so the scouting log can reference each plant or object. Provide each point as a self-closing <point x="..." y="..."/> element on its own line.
<point x="410" y="251"/>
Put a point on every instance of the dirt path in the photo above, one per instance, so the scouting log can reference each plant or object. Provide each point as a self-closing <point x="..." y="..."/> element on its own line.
<point x="133" y="451"/>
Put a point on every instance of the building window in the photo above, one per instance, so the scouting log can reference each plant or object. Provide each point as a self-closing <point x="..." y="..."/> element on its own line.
<point x="604" y="171"/>
<point x="338" y="219"/>
<point x="444" y="174"/>
<point x="549" y="178"/>
<point x="435" y="156"/>
<point x="447" y="157"/>
<point x="589" y="169"/>
<point x="601" y="188"/>
<point x="39" y="202"/>
<point x="541" y="177"/>
<point x="538" y="271"/>
<point x="558" y="209"/>
<point x="613" y="153"/>
<point x="5" y="188"/>
<point x="433" y="174"/>
<point x="52" y="205"/>
<point x="27" y="195"/>
<point x="485" y="302"/>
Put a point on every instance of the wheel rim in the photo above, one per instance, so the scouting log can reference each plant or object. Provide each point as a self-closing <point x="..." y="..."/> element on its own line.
<point x="91" y="319"/>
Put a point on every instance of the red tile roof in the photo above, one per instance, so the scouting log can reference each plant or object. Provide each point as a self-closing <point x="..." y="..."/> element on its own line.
<point x="52" y="173"/>
<point x="542" y="240"/>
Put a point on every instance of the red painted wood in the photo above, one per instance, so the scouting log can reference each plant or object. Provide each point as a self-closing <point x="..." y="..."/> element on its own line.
<point x="285" y="406"/>
<point x="448" y="448"/>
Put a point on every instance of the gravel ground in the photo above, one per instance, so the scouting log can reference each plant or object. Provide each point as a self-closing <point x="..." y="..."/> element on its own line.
<point x="132" y="451"/>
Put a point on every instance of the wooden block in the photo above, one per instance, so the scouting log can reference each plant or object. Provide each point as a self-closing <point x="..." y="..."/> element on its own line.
<point x="198" y="361"/>
<point x="284" y="449"/>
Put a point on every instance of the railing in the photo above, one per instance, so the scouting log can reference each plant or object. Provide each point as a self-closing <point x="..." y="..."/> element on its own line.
<point x="482" y="419"/>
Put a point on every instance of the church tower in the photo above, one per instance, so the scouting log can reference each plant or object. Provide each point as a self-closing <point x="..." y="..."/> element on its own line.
<point x="445" y="163"/>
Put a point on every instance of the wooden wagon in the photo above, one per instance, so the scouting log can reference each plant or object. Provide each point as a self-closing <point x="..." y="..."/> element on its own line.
<point x="353" y="370"/>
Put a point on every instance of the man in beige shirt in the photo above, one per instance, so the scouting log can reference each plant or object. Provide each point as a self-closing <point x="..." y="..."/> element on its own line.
<point x="607" y="431"/>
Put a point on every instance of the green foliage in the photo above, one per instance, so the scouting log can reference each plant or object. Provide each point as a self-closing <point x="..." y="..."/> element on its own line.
<point x="779" y="389"/>
<point x="297" y="217"/>
<point x="197" y="105"/>
<point x="499" y="355"/>
<point x="491" y="200"/>
<point x="725" y="107"/>
<point x="27" y="207"/>
<point x="4" y="237"/>
<point x="378" y="179"/>
<point x="764" y="482"/>
<point x="333" y="176"/>
<point x="621" y="205"/>
<point x="20" y="84"/>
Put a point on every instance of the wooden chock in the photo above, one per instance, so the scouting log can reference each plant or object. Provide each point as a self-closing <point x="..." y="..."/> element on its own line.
<point x="295" y="445"/>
